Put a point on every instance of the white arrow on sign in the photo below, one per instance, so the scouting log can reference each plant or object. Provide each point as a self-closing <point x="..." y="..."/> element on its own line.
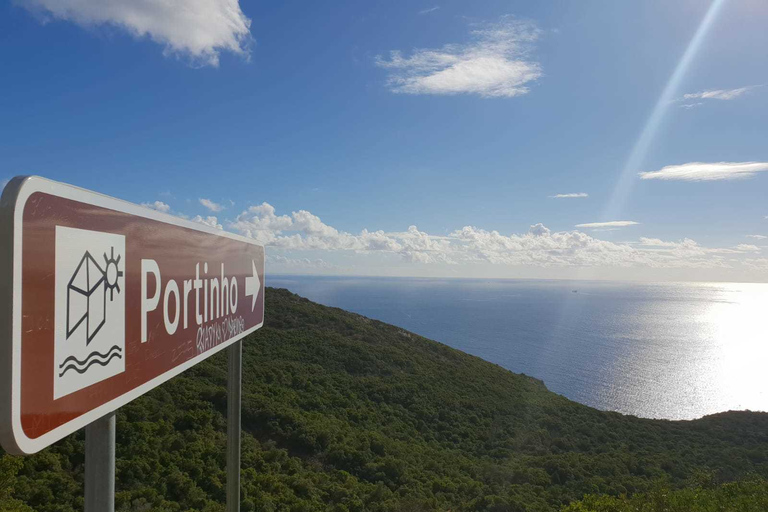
<point x="252" y="286"/>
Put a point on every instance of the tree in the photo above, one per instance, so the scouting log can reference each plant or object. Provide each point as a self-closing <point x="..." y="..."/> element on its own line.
<point x="9" y="466"/>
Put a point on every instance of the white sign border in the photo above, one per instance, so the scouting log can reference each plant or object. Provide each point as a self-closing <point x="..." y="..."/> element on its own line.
<point x="14" y="198"/>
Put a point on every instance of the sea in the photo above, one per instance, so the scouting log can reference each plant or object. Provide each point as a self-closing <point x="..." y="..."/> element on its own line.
<point x="661" y="350"/>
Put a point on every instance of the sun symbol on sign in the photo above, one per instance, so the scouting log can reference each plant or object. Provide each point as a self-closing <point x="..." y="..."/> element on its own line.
<point x="111" y="274"/>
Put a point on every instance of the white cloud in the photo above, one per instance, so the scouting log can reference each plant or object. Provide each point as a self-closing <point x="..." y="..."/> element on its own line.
<point x="698" y="171"/>
<point x="429" y="10"/>
<point x="718" y="94"/>
<point x="758" y="237"/>
<point x="691" y="105"/>
<point x="569" y="196"/>
<point x="284" y="263"/>
<point x="494" y="64"/>
<point x="208" y="221"/>
<point x="158" y="205"/>
<point x="757" y="263"/>
<point x="541" y="247"/>
<point x="655" y="242"/>
<point x="214" y="207"/>
<point x="308" y="232"/>
<point x="302" y="231"/>
<point x="689" y="248"/>
<point x="609" y="224"/>
<point x="198" y="29"/>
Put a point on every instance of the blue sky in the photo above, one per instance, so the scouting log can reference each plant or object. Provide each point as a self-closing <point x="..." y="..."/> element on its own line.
<point x="354" y="121"/>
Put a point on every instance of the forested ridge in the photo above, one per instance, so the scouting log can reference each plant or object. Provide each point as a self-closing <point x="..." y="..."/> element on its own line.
<point x="345" y="413"/>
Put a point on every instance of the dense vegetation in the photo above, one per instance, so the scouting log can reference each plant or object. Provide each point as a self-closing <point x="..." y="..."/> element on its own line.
<point x="344" y="413"/>
<point x="746" y="496"/>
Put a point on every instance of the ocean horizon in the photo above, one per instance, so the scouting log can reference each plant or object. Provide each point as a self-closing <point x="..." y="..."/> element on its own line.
<point x="655" y="350"/>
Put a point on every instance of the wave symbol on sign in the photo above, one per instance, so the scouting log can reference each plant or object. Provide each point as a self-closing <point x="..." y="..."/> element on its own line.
<point x="72" y="363"/>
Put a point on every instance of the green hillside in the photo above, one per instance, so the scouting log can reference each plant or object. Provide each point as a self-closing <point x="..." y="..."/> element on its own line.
<point x="341" y="412"/>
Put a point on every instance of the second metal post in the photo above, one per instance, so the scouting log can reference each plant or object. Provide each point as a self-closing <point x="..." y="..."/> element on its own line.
<point x="234" y="389"/>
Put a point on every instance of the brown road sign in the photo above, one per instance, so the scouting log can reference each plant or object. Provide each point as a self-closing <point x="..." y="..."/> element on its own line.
<point x="103" y="300"/>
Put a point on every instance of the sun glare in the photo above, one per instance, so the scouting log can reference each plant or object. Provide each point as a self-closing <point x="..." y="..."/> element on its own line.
<point x="739" y="332"/>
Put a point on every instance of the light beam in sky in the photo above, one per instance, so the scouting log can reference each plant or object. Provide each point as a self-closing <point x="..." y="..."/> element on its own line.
<point x="631" y="167"/>
<point x="629" y="172"/>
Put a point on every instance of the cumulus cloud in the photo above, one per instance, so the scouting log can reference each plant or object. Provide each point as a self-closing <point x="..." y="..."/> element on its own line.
<point x="539" y="246"/>
<point x="608" y="224"/>
<point x="303" y="230"/>
<point x="718" y="94"/>
<point x="572" y="195"/>
<point x="496" y="63"/>
<point x="285" y="263"/>
<point x="686" y="245"/>
<point x="689" y="250"/>
<point x="543" y="248"/>
<point x="158" y="205"/>
<point x="655" y="242"/>
<point x="208" y="221"/>
<point x="698" y="171"/>
<point x="757" y="263"/>
<point x="198" y="29"/>
<point x="214" y="207"/>
<point x="758" y="237"/>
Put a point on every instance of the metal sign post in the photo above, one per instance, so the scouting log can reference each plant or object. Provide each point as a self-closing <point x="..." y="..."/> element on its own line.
<point x="100" y="446"/>
<point x="234" y="390"/>
<point x="100" y="465"/>
<point x="100" y="302"/>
